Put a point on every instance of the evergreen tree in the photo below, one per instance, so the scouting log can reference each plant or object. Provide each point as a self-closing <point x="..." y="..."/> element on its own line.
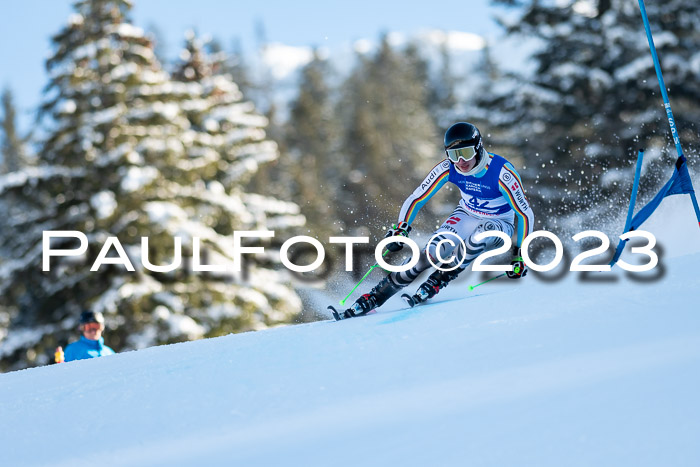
<point x="390" y="139"/>
<point x="593" y="98"/>
<point x="194" y="65"/>
<point x="492" y="89"/>
<point x="12" y="145"/>
<point x="490" y="75"/>
<point x="160" y="46"/>
<point x="128" y="156"/>
<point x="237" y="66"/>
<point x="312" y="140"/>
<point x="443" y="101"/>
<point x="231" y="128"/>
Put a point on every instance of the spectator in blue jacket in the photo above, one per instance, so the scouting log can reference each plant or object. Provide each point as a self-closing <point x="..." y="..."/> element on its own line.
<point x="92" y="344"/>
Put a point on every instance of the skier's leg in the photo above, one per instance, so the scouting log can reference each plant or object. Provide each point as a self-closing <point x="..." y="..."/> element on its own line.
<point x="387" y="287"/>
<point x="443" y="244"/>
<point x="374" y="298"/>
<point x="473" y="248"/>
<point x="395" y="281"/>
<point x="467" y="228"/>
<point x="439" y="250"/>
<point x="447" y="249"/>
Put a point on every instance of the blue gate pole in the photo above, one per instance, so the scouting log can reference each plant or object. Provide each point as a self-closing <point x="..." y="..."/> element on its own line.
<point x="664" y="94"/>
<point x="630" y="211"/>
<point x="659" y="75"/>
<point x="635" y="187"/>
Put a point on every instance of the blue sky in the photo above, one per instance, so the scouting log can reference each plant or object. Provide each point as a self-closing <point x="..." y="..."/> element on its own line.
<point x="27" y="25"/>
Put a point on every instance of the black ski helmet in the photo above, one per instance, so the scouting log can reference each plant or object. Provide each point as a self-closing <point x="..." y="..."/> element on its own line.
<point x="462" y="135"/>
<point x="88" y="316"/>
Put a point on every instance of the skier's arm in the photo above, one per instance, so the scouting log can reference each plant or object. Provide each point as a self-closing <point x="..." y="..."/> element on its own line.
<point x="512" y="188"/>
<point x="433" y="182"/>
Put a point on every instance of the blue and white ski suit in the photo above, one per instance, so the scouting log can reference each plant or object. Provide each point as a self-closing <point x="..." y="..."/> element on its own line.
<point x="491" y="200"/>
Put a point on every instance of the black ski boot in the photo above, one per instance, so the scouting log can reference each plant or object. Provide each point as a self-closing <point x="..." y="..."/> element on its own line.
<point x="369" y="301"/>
<point x="437" y="281"/>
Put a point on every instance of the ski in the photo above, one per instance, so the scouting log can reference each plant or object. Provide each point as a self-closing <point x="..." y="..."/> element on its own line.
<point x="413" y="300"/>
<point x="335" y="312"/>
<point x="409" y="299"/>
<point x="340" y="315"/>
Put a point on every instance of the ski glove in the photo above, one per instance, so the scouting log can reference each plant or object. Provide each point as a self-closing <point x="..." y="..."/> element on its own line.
<point x="402" y="229"/>
<point x="519" y="268"/>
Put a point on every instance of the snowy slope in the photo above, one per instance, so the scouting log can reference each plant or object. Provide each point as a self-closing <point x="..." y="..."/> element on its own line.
<point x="568" y="373"/>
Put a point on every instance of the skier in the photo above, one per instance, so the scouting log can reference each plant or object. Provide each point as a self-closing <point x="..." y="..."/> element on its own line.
<point x="492" y="196"/>
<point x="91" y="344"/>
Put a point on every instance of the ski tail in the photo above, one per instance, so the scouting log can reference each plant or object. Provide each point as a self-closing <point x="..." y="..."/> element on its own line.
<point x="336" y="313"/>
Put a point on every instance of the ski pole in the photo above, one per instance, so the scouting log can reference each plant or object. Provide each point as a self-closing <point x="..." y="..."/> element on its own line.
<point x="376" y="265"/>
<point x="472" y="287"/>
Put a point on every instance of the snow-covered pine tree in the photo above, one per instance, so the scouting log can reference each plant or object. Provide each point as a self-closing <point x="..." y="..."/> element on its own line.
<point x="593" y="99"/>
<point x="390" y="139"/>
<point x="313" y="142"/>
<point x="229" y="145"/>
<point x="489" y="106"/>
<point x="13" y="147"/>
<point x="122" y="159"/>
<point x="442" y="100"/>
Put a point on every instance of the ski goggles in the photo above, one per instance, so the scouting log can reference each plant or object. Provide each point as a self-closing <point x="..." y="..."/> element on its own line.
<point x="468" y="153"/>
<point x="92" y="326"/>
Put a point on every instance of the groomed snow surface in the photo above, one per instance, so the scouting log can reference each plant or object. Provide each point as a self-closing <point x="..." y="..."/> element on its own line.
<point x="528" y="373"/>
